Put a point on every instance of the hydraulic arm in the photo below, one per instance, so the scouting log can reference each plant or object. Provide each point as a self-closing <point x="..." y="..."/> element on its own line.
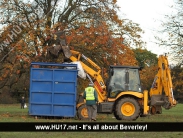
<point x="161" y="92"/>
<point x="95" y="74"/>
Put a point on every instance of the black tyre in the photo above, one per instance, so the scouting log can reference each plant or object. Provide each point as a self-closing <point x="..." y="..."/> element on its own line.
<point x="153" y="110"/>
<point x="82" y="112"/>
<point x="116" y="116"/>
<point x="159" y="111"/>
<point x="156" y="110"/>
<point x="127" y="109"/>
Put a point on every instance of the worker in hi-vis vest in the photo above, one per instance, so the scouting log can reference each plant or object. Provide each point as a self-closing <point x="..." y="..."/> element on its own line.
<point x="91" y="97"/>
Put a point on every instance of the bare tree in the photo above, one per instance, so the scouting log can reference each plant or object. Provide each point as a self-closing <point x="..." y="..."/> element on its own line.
<point x="171" y="32"/>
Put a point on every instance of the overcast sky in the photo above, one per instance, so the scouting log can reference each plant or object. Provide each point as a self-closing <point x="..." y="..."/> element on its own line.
<point x="147" y="13"/>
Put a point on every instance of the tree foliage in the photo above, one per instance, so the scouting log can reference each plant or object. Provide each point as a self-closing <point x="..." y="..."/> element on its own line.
<point x="91" y="27"/>
<point x="177" y="76"/>
<point x="149" y="63"/>
<point x="145" y="57"/>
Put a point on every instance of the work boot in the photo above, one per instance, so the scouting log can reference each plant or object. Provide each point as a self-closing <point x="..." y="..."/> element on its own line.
<point x="94" y="119"/>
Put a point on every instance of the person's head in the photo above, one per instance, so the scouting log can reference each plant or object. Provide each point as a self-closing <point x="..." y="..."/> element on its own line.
<point x="90" y="84"/>
<point x="22" y="97"/>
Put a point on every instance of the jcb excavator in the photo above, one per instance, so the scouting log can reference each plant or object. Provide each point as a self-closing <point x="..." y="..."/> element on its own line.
<point x="122" y="94"/>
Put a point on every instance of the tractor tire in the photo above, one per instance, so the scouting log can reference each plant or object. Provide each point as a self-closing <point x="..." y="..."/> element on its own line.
<point x="160" y="111"/>
<point x="153" y="110"/>
<point x="116" y="116"/>
<point x="82" y="112"/>
<point x="156" y="110"/>
<point x="127" y="109"/>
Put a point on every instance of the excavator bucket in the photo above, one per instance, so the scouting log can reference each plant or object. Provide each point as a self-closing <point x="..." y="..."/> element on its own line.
<point x="59" y="40"/>
<point x="66" y="51"/>
<point x="54" y="51"/>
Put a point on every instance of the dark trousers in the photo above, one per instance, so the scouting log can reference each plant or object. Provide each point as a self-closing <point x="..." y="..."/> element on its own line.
<point x="22" y="105"/>
<point x="92" y="111"/>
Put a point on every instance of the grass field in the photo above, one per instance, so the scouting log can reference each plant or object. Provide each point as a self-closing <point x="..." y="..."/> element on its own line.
<point x="13" y="113"/>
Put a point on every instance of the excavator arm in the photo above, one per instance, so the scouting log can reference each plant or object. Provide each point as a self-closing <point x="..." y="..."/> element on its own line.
<point x="94" y="75"/>
<point x="161" y="92"/>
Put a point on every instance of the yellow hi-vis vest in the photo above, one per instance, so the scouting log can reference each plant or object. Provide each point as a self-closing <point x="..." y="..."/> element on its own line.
<point x="90" y="93"/>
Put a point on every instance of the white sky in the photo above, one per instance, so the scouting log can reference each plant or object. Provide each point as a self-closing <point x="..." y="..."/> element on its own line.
<point x="147" y="13"/>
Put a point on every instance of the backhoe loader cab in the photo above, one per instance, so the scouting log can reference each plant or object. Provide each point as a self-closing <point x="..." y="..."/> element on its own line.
<point x="123" y="78"/>
<point x="125" y="98"/>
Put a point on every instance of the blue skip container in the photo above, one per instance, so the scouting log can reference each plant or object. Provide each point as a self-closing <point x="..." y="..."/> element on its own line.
<point x="53" y="89"/>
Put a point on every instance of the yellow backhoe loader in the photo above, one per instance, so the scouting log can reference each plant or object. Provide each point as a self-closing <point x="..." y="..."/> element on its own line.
<point x="122" y="94"/>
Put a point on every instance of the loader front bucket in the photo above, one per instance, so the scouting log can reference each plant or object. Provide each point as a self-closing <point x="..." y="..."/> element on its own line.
<point x="66" y="51"/>
<point x="59" y="40"/>
<point x="55" y="51"/>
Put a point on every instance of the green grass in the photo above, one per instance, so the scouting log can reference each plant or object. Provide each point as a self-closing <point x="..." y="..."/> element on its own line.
<point x="13" y="113"/>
